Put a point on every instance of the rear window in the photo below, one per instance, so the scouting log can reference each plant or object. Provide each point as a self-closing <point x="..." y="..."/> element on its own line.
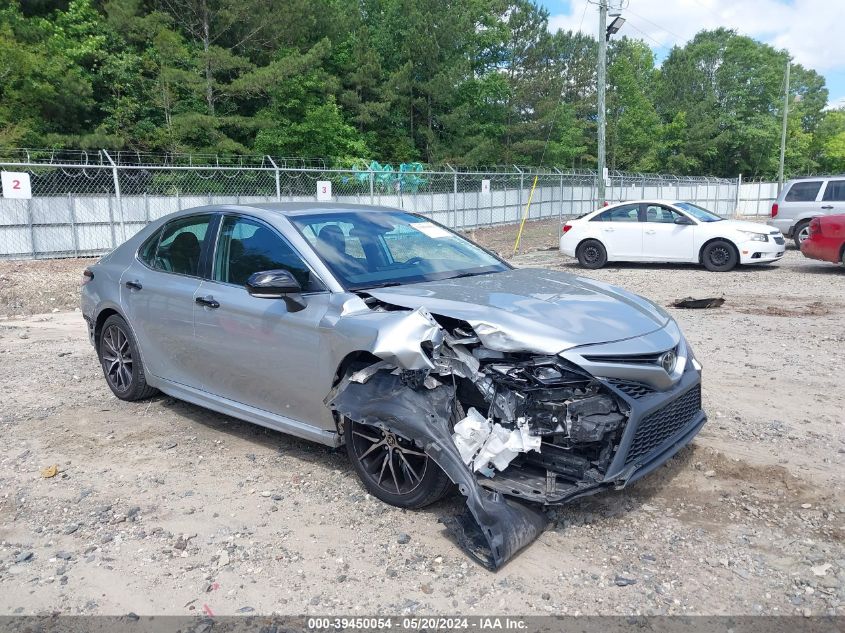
<point x="835" y="191"/>
<point x="803" y="191"/>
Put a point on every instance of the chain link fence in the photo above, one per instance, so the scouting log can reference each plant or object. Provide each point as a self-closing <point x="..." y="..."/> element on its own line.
<point x="88" y="203"/>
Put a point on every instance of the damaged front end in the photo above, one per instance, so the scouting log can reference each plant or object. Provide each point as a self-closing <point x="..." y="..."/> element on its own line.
<point x="505" y="426"/>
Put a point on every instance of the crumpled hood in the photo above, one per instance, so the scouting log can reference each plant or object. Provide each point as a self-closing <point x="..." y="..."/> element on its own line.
<point x="534" y="309"/>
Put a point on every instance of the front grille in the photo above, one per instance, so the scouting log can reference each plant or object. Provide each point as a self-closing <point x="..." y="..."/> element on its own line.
<point x="633" y="389"/>
<point x="779" y="239"/>
<point x="630" y="359"/>
<point x="657" y="427"/>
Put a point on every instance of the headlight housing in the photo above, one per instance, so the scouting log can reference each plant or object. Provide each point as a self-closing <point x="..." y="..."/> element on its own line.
<point x="755" y="237"/>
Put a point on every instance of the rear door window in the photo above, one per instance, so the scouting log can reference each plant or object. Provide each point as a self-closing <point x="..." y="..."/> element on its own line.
<point x="148" y="250"/>
<point x="805" y="191"/>
<point x="625" y="213"/>
<point x="835" y="191"/>
<point x="181" y="244"/>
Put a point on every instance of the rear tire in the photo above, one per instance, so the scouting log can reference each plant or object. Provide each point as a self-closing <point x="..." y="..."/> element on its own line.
<point x="801" y="232"/>
<point x="591" y="254"/>
<point x="719" y="256"/>
<point x="393" y="469"/>
<point x="121" y="361"/>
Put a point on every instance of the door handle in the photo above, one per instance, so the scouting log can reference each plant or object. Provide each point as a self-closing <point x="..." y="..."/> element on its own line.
<point x="608" y="230"/>
<point x="651" y="231"/>
<point x="827" y="206"/>
<point x="134" y="285"/>
<point x="208" y="302"/>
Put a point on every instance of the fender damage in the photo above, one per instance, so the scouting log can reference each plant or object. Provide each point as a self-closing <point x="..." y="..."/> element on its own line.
<point x="498" y="422"/>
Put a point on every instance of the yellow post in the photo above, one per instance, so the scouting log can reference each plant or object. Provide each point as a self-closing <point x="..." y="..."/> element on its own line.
<point x="524" y="216"/>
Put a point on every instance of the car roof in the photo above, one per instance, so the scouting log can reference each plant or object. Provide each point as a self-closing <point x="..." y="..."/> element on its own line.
<point x="643" y="201"/>
<point x="312" y="208"/>
<point x="821" y="177"/>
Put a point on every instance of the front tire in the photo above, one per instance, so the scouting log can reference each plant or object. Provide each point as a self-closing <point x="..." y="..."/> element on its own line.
<point x="591" y="254"/>
<point x="393" y="469"/>
<point x="720" y="256"/>
<point x="800" y="233"/>
<point x="121" y="361"/>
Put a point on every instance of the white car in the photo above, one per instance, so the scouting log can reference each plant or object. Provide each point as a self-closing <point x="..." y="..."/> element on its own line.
<point x="664" y="231"/>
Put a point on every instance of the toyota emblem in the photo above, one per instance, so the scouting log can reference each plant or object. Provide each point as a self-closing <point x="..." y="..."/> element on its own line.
<point x="668" y="360"/>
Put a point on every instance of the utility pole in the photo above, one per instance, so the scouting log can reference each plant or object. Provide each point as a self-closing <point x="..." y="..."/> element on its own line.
<point x="783" y="127"/>
<point x="602" y="84"/>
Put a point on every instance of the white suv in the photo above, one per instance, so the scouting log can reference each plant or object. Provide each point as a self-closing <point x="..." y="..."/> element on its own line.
<point x="803" y="199"/>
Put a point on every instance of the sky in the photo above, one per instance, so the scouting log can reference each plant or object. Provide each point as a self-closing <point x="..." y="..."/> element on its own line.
<point x="811" y="30"/>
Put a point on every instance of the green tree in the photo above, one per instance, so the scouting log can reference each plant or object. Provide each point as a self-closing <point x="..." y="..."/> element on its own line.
<point x="828" y="144"/>
<point x="480" y="82"/>
<point x="632" y="121"/>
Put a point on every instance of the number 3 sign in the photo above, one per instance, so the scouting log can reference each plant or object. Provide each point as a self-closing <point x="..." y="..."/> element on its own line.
<point x="15" y="184"/>
<point x="324" y="190"/>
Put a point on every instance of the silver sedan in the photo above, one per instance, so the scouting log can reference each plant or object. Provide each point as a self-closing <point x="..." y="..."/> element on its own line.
<point x="432" y="360"/>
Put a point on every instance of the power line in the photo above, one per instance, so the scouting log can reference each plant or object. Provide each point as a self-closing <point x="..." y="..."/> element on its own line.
<point x="634" y="26"/>
<point x="662" y="28"/>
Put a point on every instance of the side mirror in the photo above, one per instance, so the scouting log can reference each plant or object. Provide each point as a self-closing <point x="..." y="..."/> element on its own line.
<point x="684" y="220"/>
<point x="276" y="284"/>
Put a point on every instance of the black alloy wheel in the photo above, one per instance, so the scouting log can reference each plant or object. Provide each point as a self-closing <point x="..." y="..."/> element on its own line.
<point x="121" y="361"/>
<point x="392" y="468"/>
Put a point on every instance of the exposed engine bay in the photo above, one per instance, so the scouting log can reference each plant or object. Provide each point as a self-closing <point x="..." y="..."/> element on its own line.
<point x="498" y="422"/>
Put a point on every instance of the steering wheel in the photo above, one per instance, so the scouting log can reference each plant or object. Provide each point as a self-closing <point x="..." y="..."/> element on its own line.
<point x="414" y="260"/>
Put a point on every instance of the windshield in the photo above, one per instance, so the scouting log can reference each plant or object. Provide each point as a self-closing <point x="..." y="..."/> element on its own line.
<point x="369" y="249"/>
<point x="699" y="213"/>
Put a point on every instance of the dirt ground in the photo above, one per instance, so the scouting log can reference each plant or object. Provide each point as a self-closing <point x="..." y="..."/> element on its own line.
<point x="161" y="507"/>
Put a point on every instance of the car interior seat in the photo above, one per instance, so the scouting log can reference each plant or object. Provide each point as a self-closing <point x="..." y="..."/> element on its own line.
<point x="184" y="254"/>
<point x="331" y="243"/>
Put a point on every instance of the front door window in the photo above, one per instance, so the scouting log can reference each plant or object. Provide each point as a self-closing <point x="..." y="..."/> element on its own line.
<point x="247" y="246"/>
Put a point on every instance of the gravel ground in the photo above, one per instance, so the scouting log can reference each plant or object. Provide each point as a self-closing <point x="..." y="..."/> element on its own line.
<point x="161" y="507"/>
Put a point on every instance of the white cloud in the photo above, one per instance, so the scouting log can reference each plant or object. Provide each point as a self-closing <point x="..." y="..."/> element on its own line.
<point x="811" y="30"/>
<point x="836" y="104"/>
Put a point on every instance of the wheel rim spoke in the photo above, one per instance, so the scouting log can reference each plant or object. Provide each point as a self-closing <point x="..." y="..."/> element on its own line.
<point x="406" y="465"/>
<point x="393" y="471"/>
<point x="383" y="466"/>
<point x="117" y="358"/>
<point x="374" y="440"/>
<point x="379" y="451"/>
<point x="408" y="451"/>
<point x="372" y="448"/>
<point x="110" y="343"/>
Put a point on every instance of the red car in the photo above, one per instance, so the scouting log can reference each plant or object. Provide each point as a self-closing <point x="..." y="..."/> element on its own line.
<point x="826" y="240"/>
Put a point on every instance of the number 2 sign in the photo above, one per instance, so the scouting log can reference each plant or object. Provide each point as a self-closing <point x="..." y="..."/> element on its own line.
<point x="15" y="184"/>
<point x="324" y="190"/>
